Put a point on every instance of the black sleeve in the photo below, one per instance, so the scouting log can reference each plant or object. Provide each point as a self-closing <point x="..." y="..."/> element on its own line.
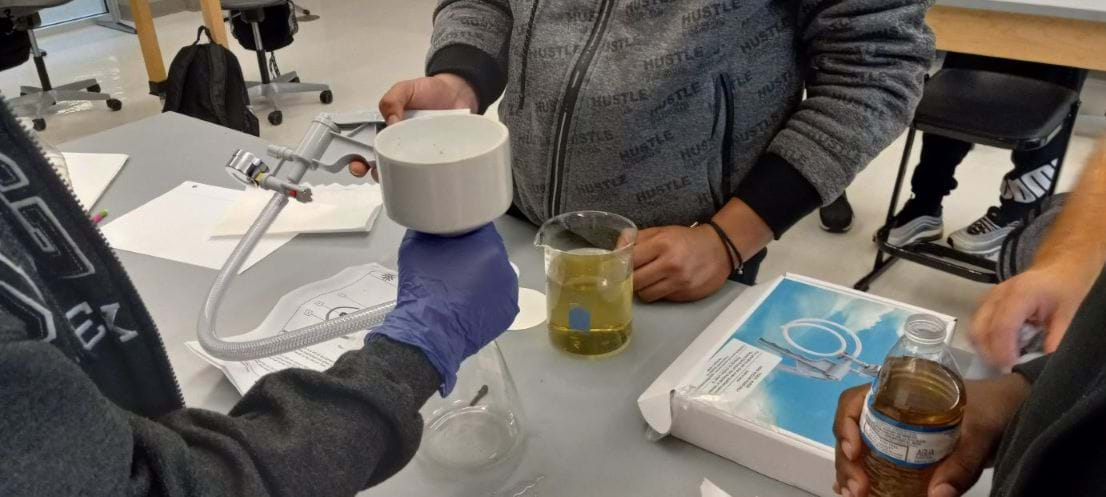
<point x="778" y="193"/>
<point x="1032" y="370"/>
<point x="296" y="433"/>
<point x="481" y="71"/>
<point x="471" y="39"/>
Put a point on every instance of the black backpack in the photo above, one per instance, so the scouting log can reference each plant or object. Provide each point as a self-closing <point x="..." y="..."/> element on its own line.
<point x="276" y="23"/>
<point x="15" y="45"/>
<point x="205" y="82"/>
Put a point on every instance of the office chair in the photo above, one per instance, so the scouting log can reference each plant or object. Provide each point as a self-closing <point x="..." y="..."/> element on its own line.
<point x="988" y="108"/>
<point x="37" y="102"/>
<point x="273" y="84"/>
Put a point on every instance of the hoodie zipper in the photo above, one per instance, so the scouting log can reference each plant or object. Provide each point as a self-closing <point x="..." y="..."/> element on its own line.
<point x="526" y="56"/>
<point x="563" y="120"/>
<point x="114" y="267"/>
<point x="727" y="138"/>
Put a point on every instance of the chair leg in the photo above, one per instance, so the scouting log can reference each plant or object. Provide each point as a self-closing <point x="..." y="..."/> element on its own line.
<point x="81" y="85"/>
<point x="286" y="88"/>
<point x="79" y="96"/>
<point x="881" y="266"/>
<point x="39" y="58"/>
<point x="883" y="261"/>
<point x="1069" y="128"/>
<point x="901" y="177"/>
<point x="286" y="77"/>
<point x="259" y="49"/>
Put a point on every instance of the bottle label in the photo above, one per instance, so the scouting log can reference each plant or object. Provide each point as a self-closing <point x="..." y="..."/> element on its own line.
<point x="903" y="444"/>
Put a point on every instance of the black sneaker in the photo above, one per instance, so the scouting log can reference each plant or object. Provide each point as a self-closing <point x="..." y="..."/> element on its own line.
<point x="838" y="216"/>
<point x="916" y="223"/>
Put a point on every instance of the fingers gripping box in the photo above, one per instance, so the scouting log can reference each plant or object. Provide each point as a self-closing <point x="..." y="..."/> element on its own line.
<point x="760" y="385"/>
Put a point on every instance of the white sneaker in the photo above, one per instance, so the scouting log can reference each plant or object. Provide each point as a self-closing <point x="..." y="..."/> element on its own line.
<point x="984" y="236"/>
<point x="919" y="228"/>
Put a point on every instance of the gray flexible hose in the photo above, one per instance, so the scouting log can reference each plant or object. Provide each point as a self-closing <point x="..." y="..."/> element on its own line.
<point x="364" y="319"/>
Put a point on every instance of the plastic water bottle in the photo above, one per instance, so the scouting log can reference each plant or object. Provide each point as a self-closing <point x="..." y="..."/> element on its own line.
<point x="911" y="418"/>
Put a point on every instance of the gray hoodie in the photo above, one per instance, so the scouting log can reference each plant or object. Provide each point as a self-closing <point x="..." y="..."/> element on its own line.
<point x="663" y="110"/>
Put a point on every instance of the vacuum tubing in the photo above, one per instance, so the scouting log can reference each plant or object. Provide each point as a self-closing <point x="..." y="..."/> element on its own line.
<point x="364" y="319"/>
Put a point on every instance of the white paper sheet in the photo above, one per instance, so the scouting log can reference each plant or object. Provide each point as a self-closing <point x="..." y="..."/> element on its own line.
<point x="90" y="174"/>
<point x="352" y="289"/>
<point x="334" y="209"/>
<point x="178" y="225"/>
<point x="709" y="489"/>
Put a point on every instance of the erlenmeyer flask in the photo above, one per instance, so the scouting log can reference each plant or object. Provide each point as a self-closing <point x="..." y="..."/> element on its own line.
<point x="479" y="424"/>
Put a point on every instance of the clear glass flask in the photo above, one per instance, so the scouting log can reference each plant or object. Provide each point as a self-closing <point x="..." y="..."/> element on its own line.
<point x="479" y="425"/>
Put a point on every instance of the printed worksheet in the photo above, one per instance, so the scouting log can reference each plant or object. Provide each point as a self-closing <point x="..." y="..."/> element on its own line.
<point x="352" y="289"/>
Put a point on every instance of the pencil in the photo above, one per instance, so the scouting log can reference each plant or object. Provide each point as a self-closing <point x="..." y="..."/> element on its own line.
<point x="99" y="216"/>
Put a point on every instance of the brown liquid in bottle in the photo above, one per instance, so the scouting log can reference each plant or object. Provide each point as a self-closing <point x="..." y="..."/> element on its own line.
<point x="917" y="392"/>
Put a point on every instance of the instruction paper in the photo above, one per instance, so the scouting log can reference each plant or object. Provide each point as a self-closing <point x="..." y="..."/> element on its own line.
<point x="352" y="289"/>
<point x="333" y="209"/>
<point x="177" y="226"/>
<point x="91" y="174"/>
<point x="735" y="371"/>
<point x="709" y="489"/>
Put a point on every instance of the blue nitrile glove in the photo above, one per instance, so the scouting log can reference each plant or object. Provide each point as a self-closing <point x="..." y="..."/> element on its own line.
<point x="456" y="295"/>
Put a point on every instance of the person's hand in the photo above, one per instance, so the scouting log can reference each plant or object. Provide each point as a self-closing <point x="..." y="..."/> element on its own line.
<point x="456" y="295"/>
<point x="439" y="92"/>
<point x="679" y="263"/>
<point x="1046" y="296"/>
<point x="991" y="405"/>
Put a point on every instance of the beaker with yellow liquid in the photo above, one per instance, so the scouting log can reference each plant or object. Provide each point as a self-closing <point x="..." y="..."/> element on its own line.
<point x="589" y="281"/>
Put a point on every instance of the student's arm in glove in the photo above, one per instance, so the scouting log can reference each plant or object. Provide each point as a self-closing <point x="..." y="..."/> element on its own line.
<point x="296" y="433"/>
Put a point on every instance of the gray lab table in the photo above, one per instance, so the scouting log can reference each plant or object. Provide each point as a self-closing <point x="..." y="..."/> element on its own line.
<point x="585" y="435"/>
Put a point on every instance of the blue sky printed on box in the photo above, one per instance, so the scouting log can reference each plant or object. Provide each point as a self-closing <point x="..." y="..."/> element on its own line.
<point x="800" y="404"/>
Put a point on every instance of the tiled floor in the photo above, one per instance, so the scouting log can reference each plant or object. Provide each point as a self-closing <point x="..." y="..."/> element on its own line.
<point x="361" y="48"/>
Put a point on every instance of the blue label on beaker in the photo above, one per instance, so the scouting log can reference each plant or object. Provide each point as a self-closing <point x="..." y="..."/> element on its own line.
<point x="579" y="319"/>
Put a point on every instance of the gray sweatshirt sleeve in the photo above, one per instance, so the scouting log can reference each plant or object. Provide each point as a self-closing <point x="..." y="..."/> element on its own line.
<point x="471" y="40"/>
<point x="296" y="433"/>
<point x="866" y="63"/>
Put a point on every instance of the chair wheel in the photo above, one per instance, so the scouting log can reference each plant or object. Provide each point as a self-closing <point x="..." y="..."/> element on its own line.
<point x="114" y="104"/>
<point x="276" y="117"/>
<point x="326" y="97"/>
<point x="94" y="88"/>
<point x="39" y="124"/>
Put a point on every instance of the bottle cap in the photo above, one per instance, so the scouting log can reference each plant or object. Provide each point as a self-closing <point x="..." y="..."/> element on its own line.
<point x="925" y="328"/>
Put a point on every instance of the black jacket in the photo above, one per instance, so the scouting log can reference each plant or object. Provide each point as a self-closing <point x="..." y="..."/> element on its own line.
<point x="89" y="404"/>
<point x="1057" y="444"/>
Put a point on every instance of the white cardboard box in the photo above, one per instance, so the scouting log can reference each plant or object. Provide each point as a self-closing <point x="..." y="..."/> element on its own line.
<point x="769" y="406"/>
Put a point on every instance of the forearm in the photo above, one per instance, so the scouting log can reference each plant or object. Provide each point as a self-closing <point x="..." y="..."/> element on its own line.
<point x="744" y="227"/>
<point x="470" y="40"/>
<point x="324" y="434"/>
<point x="1077" y="241"/>
<point x="297" y="432"/>
<point x="866" y="65"/>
